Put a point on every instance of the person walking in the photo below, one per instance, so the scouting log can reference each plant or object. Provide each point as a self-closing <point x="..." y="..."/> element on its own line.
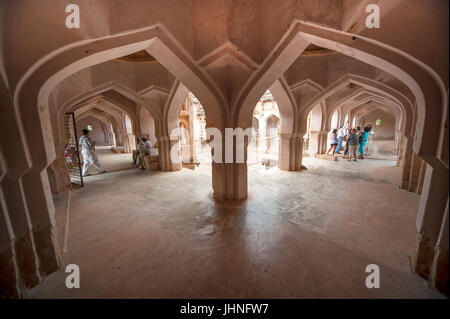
<point x="346" y="145"/>
<point x="340" y="134"/>
<point x="89" y="156"/>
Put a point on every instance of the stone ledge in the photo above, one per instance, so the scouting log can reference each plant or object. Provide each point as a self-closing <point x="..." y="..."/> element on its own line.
<point x="327" y="157"/>
<point x="191" y="166"/>
<point x="151" y="163"/>
<point x="9" y="287"/>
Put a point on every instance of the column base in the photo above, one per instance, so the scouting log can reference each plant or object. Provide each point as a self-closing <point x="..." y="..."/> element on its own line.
<point x="10" y="287"/>
<point x="431" y="264"/>
<point x="439" y="273"/>
<point x="229" y="181"/>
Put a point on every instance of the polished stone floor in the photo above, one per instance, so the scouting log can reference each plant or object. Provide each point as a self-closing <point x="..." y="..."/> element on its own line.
<point x="309" y="234"/>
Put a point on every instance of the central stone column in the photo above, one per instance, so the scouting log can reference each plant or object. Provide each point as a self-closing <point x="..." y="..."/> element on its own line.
<point x="164" y="148"/>
<point x="430" y="260"/>
<point x="112" y="139"/>
<point x="229" y="165"/>
<point x="229" y="181"/>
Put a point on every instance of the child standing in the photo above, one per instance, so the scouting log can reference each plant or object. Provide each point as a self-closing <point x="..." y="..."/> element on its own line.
<point x="362" y="144"/>
<point x="334" y="141"/>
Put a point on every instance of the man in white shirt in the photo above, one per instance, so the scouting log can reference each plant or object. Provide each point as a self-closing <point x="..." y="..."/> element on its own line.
<point x="88" y="151"/>
<point x="144" y="148"/>
<point x="340" y="135"/>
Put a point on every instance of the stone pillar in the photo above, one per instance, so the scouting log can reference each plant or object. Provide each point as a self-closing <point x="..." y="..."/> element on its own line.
<point x="126" y="146"/>
<point x="174" y="146"/>
<point x="401" y="150"/>
<point x="290" y="152"/>
<point x="194" y="137"/>
<point x="58" y="176"/>
<point x="106" y="136"/>
<point x="323" y="142"/>
<point x="119" y="139"/>
<point x="407" y="159"/>
<point x="416" y="174"/>
<point x="28" y="249"/>
<point x="42" y="213"/>
<point x="229" y="173"/>
<point x="164" y="153"/>
<point x="229" y="181"/>
<point x="262" y="134"/>
<point x="9" y="284"/>
<point x="19" y="266"/>
<point x="166" y="146"/>
<point x="129" y="143"/>
<point x="398" y="141"/>
<point x="314" y="142"/>
<point x="429" y="258"/>
<point x="421" y="177"/>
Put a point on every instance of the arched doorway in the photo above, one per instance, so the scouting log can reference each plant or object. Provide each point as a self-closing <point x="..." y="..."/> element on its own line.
<point x="313" y="135"/>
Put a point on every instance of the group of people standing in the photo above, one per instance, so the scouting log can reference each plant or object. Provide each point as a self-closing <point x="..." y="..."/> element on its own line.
<point x="89" y="155"/>
<point x="357" y="141"/>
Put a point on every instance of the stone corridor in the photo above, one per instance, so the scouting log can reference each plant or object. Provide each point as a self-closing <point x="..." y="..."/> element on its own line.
<point x="306" y="234"/>
<point x="270" y="87"/>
